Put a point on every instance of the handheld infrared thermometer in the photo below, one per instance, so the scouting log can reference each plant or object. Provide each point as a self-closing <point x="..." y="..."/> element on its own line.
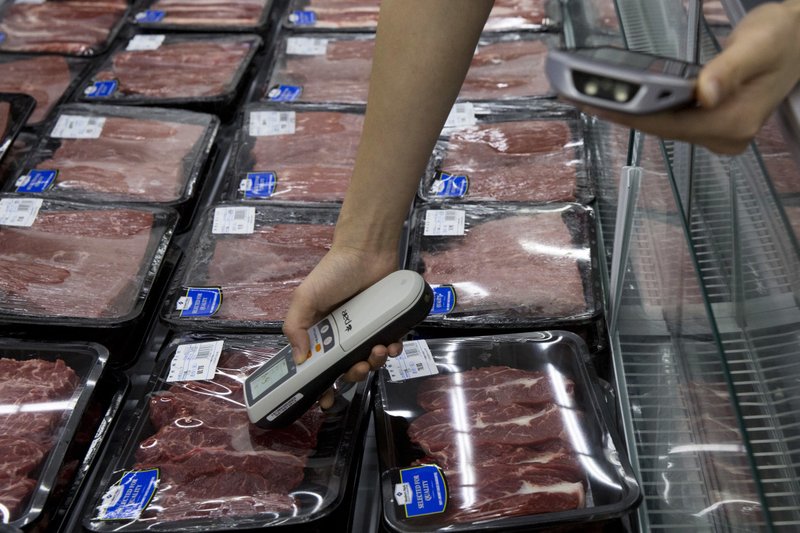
<point x="280" y="391"/>
<point x="622" y="80"/>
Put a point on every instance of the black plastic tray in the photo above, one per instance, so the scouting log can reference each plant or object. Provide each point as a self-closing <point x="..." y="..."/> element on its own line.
<point x="327" y="472"/>
<point x="579" y="221"/>
<point x="610" y="487"/>
<point x="88" y="361"/>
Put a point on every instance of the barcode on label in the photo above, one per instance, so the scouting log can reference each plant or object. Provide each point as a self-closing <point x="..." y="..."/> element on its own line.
<point x="20" y="212"/>
<point x="78" y="127"/>
<point x="462" y="115"/>
<point x="234" y="220"/>
<point x="306" y="46"/>
<point x="195" y="361"/>
<point x="265" y="123"/>
<point x="444" y="222"/>
<point x="415" y="361"/>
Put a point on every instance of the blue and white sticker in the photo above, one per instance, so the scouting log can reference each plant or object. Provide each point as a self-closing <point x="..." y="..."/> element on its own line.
<point x="444" y="299"/>
<point x="449" y="186"/>
<point x="284" y="93"/>
<point x="2" y="37"/>
<point x="259" y="184"/>
<point x="129" y="496"/>
<point x="101" y="89"/>
<point x="36" y="181"/>
<point x="150" y="16"/>
<point x="421" y="491"/>
<point x="200" y="301"/>
<point x="301" y="17"/>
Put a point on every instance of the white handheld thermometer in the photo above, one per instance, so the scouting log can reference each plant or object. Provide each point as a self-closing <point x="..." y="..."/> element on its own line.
<point x="280" y="391"/>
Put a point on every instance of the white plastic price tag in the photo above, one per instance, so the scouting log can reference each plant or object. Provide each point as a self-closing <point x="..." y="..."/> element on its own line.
<point x="265" y="123"/>
<point x="306" y="46"/>
<point x="78" y="127"/>
<point x="234" y="220"/>
<point x="19" y="212"/>
<point x="415" y="361"/>
<point x="193" y="362"/>
<point x="462" y="115"/>
<point x="145" y="42"/>
<point x="444" y="222"/>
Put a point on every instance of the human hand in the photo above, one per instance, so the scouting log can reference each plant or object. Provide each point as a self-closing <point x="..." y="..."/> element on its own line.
<point x="342" y="273"/>
<point x="737" y="90"/>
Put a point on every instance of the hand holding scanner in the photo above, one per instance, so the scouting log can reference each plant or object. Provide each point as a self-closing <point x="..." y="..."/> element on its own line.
<point x="280" y="391"/>
<point x="622" y="80"/>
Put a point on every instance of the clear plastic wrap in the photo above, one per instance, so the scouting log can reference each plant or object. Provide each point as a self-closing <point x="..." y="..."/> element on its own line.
<point x="511" y="156"/>
<point x="244" y="281"/>
<point x="48" y="79"/>
<point x="507" y="265"/>
<point x="231" y="15"/>
<point x="44" y="390"/>
<point x="331" y="68"/>
<point x="79" y="264"/>
<point x="781" y="167"/>
<point x="173" y="69"/>
<point x="518" y="428"/>
<point x="70" y="27"/>
<point x="362" y="15"/>
<point x="311" y="160"/>
<point x="217" y="470"/>
<point x="14" y="112"/>
<point x="16" y="154"/>
<point x="115" y="153"/>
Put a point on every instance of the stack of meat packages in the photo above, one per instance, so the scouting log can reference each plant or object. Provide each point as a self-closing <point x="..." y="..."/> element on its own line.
<point x="503" y="439"/>
<point x="215" y="464"/>
<point x="27" y="434"/>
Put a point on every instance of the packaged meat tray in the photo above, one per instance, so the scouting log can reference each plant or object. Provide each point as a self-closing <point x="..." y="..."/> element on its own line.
<point x="244" y="263"/>
<point x="103" y="153"/>
<point x="73" y="264"/>
<point x="362" y="15"/>
<point x="70" y="27"/>
<point x="287" y="155"/>
<point x="44" y="391"/>
<point x="14" y="112"/>
<point x="329" y="68"/>
<point x="48" y="79"/>
<point x="506" y="265"/>
<point x="202" y="71"/>
<point x="501" y="433"/>
<point x="16" y="154"/>
<point x="232" y="15"/>
<point x="210" y="467"/>
<point x="532" y="157"/>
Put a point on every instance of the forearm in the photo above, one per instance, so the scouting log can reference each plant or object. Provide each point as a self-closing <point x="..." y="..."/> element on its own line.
<point x="422" y="53"/>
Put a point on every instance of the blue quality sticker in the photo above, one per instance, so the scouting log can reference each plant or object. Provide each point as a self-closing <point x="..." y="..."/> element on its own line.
<point x="303" y="18"/>
<point x="423" y="491"/>
<point x="36" y="181"/>
<point x="2" y="37"/>
<point x="101" y="89"/>
<point x="285" y="93"/>
<point x="130" y="496"/>
<point x="449" y="186"/>
<point x="200" y="301"/>
<point x="260" y="184"/>
<point x="444" y="299"/>
<point x="150" y="16"/>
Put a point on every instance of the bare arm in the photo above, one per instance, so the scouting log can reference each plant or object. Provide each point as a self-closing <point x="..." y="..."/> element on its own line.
<point x="739" y="88"/>
<point x="422" y="53"/>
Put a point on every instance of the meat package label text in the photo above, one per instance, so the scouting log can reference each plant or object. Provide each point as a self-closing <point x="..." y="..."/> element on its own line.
<point x="130" y="496"/>
<point x="421" y="491"/>
<point x="303" y="18"/>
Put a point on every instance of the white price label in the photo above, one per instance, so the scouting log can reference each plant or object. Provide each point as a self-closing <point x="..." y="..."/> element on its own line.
<point x="444" y="222"/>
<point x="145" y="42"/>
<point x="415" y="361"/>
<point x="19" y="212"/>
<point x="234" y="220"/>
<point x="78" y="127"/>
<point x="461" y="116"/>
<point x="306" y="46"/>
<point x="266" y="123"/>
<point x="193" y="362"/>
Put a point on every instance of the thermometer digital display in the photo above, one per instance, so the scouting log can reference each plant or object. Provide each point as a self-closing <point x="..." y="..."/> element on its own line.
<point x="280" y="391"/>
